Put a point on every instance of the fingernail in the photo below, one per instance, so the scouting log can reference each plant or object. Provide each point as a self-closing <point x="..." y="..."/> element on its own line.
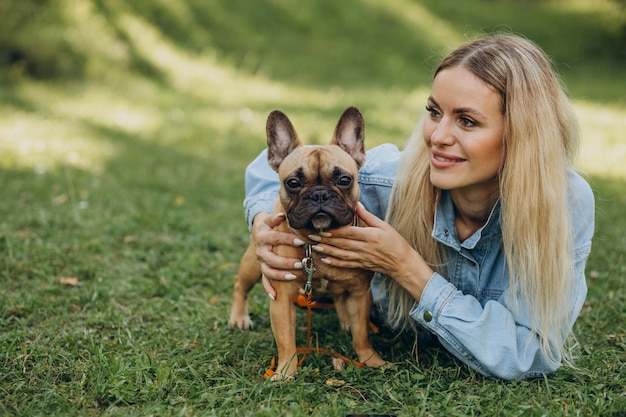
<point x="326" y="234"/>
<point x="326" y="261"/>
<point x="290" y="277"/>
<point x="297" y="265"/>
<point x="298" y="242"/>
<point x="317" y="248"/>
<point x="280" y="214"/>
<point x="315" y="238"/>
<point x="361" y="205"/>
<point x="271" y="296"/>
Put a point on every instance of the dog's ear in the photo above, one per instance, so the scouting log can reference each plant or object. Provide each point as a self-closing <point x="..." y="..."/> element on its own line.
<point x="350" y="134"/>
<point x="282" y="138"/>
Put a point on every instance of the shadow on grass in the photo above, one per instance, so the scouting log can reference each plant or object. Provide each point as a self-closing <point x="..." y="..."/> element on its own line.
<point x="330" y="44"/>
<point x="325" y="43"/>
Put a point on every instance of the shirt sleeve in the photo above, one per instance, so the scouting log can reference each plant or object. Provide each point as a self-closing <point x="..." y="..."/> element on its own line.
<point x="491" y="338"/>
<point x="262" y="184"/>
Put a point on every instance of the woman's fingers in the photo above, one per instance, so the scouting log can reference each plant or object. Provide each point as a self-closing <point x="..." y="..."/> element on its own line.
<point x="264" y="233"/>
<point x="368" y="218"/>
<point x="267" y="285"/>
<point x="269" y="259"/>
<point x="350" y="234"/>
<point x="265" y="238"/>
<point x="377" y="247"/>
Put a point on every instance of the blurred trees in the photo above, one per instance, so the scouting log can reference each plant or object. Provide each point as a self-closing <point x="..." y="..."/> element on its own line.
<point x="32" y="39"/>
<point x="76" y="38"/>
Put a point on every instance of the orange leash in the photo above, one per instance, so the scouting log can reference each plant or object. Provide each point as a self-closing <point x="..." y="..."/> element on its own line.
<point x="308" y="349"/>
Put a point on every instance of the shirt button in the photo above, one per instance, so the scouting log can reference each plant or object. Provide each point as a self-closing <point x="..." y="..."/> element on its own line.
<point x="428" y="316"/>
<point x="446" y="233"/>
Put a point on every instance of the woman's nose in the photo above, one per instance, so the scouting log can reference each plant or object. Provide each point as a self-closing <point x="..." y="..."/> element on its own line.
<point x="443" y="133"/>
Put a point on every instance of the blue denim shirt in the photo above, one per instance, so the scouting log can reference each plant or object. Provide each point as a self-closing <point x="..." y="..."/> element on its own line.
<point x="471" y="310"/>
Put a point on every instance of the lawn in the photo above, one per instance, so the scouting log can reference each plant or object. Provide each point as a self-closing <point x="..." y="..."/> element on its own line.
<point x="125" y="129"/>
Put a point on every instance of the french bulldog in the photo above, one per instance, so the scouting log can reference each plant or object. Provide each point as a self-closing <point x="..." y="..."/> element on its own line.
<point x="318" y="191"/>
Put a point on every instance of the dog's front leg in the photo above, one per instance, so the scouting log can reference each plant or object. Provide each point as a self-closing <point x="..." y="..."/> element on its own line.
<point x="359" y="306"/>
<point x="283" y="317"/>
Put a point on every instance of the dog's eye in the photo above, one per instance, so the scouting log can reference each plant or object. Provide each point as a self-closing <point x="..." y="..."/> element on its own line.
<point x="344" y="181"/>
<point x="293" y="183"/>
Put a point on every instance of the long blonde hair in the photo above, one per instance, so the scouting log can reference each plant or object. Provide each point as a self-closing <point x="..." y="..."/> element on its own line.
<point x="540" y="142"/>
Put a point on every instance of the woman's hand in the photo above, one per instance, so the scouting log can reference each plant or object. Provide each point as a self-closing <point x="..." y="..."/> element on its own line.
<point x="378" y="247"/>
<point x="265" y="238"/>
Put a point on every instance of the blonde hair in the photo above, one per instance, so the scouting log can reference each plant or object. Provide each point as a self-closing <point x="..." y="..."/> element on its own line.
<point x="540" y="142"/>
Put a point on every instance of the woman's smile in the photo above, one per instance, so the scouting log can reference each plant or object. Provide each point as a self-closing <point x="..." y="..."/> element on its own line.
<point x="440" y="160"/>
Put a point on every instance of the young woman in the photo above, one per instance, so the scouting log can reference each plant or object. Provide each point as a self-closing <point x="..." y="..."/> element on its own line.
<point x="488" y="227"/>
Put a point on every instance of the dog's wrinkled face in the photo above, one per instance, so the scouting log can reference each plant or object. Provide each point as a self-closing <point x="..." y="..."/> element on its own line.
<point x="319" y="188"/>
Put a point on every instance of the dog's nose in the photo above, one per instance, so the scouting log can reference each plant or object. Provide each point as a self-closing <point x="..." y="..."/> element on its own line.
<point x="320" y="196"/>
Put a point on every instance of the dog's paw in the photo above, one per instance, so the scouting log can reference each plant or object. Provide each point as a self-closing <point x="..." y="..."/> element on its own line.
<point x="241" y="323"/>
<point x="377" y="363"/>
<point x="373" y="360"/>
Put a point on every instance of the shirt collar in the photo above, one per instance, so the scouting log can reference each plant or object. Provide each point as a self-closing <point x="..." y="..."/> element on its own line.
<point x="445" y="231"/>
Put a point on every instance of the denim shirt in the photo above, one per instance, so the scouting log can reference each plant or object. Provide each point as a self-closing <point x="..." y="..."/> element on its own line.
<point x="471" y="310"/>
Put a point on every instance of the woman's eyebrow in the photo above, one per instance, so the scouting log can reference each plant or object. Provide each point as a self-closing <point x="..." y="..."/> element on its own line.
<point x="469" y="110"/>
<point x="459" y="110"/>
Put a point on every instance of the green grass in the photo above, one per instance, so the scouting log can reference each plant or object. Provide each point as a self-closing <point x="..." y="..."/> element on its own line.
<point x="125" y="128"/>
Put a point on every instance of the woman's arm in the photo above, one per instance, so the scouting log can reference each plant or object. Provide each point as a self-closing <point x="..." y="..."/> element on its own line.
<point x="491" y="338"/>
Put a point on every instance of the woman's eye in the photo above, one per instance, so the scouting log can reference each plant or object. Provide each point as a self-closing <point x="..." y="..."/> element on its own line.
<point x="433" y="111"/>
<point x="292" y="183"/>
<point x="344" y="181"/>
<point x="467" y="122"/>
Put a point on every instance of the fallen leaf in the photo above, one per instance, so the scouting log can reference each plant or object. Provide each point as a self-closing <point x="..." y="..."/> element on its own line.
<point x="338" y="364"/>
<point x="335" y="382"/>
<point x="179" y="201"/>
<point x="69" y="281"/>
<point x="130" y="238"/>
<point x="214" y="300"/>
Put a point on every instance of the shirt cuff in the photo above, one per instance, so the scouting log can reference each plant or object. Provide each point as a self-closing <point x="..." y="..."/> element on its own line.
<point x="437" y="292"/>
<point x="261" y="203"/>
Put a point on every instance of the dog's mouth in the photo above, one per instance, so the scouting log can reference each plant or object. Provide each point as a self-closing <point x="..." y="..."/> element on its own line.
<point x="321" y="222"/>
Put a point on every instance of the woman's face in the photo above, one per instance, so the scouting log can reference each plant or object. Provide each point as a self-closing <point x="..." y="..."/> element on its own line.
<point x="464" y="132"/>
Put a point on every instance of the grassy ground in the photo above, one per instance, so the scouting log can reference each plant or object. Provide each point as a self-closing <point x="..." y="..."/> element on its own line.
<point x="125" y="128"/>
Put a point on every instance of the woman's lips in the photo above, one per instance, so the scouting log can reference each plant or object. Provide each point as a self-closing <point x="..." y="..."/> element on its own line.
<point x="442" y="161"/>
